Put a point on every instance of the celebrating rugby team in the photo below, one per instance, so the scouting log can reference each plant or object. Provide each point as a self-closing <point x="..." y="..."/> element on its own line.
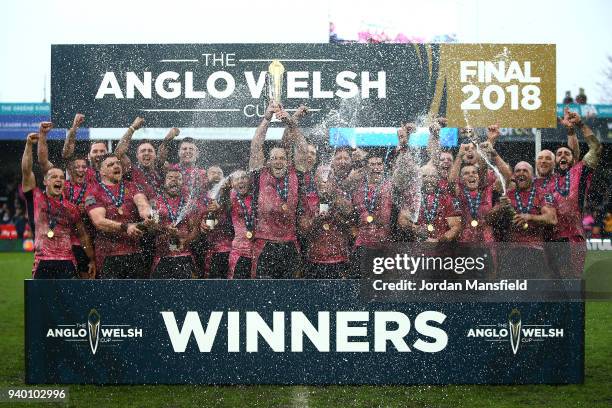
<point x="109" y="216"/>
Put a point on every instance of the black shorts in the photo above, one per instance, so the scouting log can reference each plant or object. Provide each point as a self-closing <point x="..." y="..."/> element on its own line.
<point x="326" y="270"/>
<point x="129" y="266"/>
<point x="81" y="259"/>
<point x="278" y="260"/>
<point x="147" y="243"/>
<point x="49" y="269"/>
<point x="219" y="265"/>
<point x="243" y="268"/>
<point x="354" y="271"/>
<point x="174" y="267"/>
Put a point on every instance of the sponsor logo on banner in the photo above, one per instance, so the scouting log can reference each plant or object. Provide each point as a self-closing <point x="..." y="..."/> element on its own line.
<point x="513" y="333"/>
<point x="93" y="332"/>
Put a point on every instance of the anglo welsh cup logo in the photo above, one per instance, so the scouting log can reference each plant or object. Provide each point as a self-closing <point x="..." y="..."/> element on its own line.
<point x="514" y="321"/>
<point x="93" y="326"/>
<point x="515" y="332"/>
<point x="94" y="332"/>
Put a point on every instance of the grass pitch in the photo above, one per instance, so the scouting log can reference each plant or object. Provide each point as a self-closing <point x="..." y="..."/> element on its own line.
<point x="596" y="391"/>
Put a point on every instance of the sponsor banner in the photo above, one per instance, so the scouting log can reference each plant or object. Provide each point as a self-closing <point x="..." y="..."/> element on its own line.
<point x="598" y="244"/>
<point x="19" y="119"/>
<point x="196" y="133"/>
<point x="587" y="110"/>
<point x="288" y="332"/>
<point x="387" y="137"/>
<point x="33" y="108"/>
<point x="352" y="85"/>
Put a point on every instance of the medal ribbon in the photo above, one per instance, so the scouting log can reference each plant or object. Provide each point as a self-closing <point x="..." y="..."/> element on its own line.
<point x="283" y="192"/>
<point x="173" y="215"/>
<point x="117" y="201"/>
<point x="247" y="212"/>
<point x="79" y="198"/>
<point x="370" y="202"/>
<point x="311" y="185"/>
<point x="52" y="217"/>
<point x="430" y="214"/>
<point x="474" y="204"/>
<point x="519" y="203"/>
<point x="564" y="192"/>
<point x="151" y="179"/>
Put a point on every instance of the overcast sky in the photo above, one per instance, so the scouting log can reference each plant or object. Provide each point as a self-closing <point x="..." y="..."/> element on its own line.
<point x="581" y="30"/>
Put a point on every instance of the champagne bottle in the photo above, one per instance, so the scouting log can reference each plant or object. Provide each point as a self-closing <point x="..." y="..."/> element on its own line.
<point x="211" y="220"/>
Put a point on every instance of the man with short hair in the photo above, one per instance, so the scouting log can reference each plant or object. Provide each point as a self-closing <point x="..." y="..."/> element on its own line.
<point x="215" y="175"/>
<point x="572" y="182"/>
<point x="53" y="219"/>
<point x="438" y="219"/>
<point x="179" y="221"/>
<point x="195" y="180"/>
<point x="325" y="226"/>
<point x="475" y="202"/>
<point x="277" y="194"/>
<point x="241" y="205"/>
<point x="98" y="149"/>
<point x="341" y="166"/>
<point x="74" y="189"/>
<point x="545" y="170"/>
<point x="531" y="211"/>
<point x="373" y="204"/>
<point x="116" y="208"/>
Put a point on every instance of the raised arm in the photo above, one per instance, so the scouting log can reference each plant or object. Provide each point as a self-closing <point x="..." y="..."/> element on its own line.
<point x="569" y="121"/>
<point x="455" y="170"/>
<point x="28" y="182"/>
<point x="124" y="143"/>
<point x="591" y="158"/>
<point x="162" y="150"/>
<point x="301" y="146"/>
<point x="257" y="158"/>
<point x="70" y="141"/>
<point x="433" y="147"/>
<point x="43" y="148"/>
<point x="293" y="138"/>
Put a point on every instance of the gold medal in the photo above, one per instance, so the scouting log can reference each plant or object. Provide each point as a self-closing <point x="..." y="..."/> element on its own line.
<point x="284" y="207"/>
<point x="50" y="234"/>
<point x="430" y="227"/>
<point x="525" y="226"/>
<point x="249" y="234"/>
<point x="369" y="219"/>
<point x="474" y="223"/>
<point x="120" y="210"/>
<point x="326" y="227"/>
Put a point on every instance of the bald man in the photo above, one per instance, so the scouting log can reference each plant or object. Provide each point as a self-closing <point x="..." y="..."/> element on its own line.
<point x="531" y="211"/>
<point x="545" y="167"/>
<point x="277" y="192"/>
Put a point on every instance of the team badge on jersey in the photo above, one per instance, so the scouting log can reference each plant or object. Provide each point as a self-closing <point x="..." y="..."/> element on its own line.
<point x="90" y="200"/>
<point x="456" y="204"/>
<point x="548" y="198"/>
